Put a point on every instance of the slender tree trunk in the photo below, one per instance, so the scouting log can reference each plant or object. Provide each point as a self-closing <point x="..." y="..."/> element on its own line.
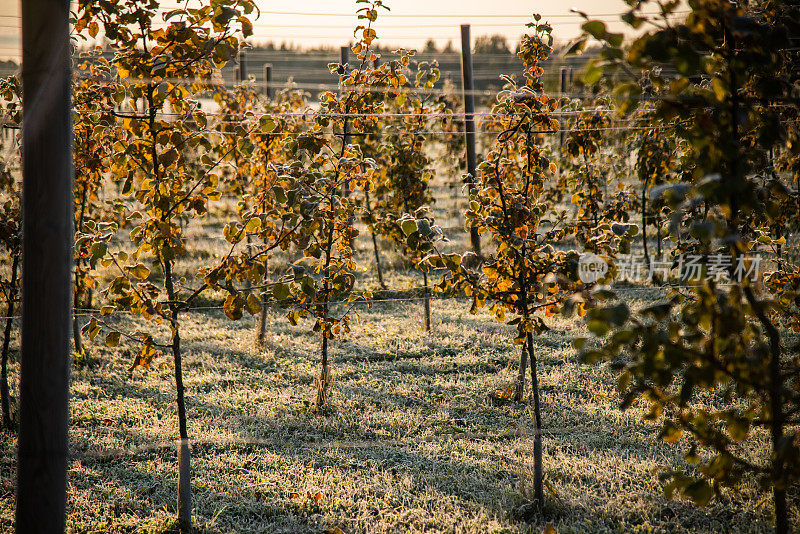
<point x="184" y="453"/>
<point x="775" y="380"/>
<point x="76" y="326"/>
<point x="323" y="384"/>
<point x="523" y="364"/>
<point x="184" y="486"/>
<point x="76" y="297"/>
<point x="469" y="126"/>
<point x="658" y="236"/>
<point x="262" y="318"/>
<point x="324" y="374"/>
<point x="4" y="390"/>
<point x="378" y="260"/>
<point x="427" y="301"/>
<point x="538" y="474"/>
<point x="262" y="323"/>
<point x="776" y="408"/>
<point x="644" y="225"/>
<point x="184" y="456"/>
<point x="247" y="284"/>
<point x="375" y="246"/>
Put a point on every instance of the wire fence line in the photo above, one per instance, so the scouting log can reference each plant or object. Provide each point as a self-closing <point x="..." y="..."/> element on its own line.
<point x="360" y="301"/>
<point x="615" y="16"/>
<point x="427" y="114"/>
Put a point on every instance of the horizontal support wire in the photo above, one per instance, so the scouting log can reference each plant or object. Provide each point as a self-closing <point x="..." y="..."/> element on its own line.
<point x="361" y="301"/>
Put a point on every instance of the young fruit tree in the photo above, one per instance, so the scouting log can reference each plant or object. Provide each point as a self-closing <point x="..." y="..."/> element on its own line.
<point x="10" y="232"/>
<point x="334" y="171"/>
<point x="162" y="59"/>
<point x="95" y="218"/>
<point x="712" y="362"/>
<point x="400" y="186"/>
<point x="523" y="273"/>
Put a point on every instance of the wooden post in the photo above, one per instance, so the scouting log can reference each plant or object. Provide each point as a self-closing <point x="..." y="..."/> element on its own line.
<point x="563" y="95"/>
<point x="344" y="58"/>
<point x="241" y="68"/>
<point x="469" y="124"/>
<point x="184" y="486"/>
<point x="426" y="301"/>
<point x="47" y="214"/>
<point x="268" y="79"/>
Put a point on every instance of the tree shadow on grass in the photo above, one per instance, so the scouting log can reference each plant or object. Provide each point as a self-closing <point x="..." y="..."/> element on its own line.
<point x="570" y="429"/>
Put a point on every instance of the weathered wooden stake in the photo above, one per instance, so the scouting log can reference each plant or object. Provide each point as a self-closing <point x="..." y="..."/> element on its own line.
<point x="47" y="215"/>
<point x="344" y="58"/>
<point x="563" y="94"/>
<point x="469" y="124"/>
<point x="241" y="68"/>
<point x="268" y="79"/>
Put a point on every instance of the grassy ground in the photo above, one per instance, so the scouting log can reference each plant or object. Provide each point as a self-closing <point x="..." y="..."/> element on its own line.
<point x="412" y="445"/>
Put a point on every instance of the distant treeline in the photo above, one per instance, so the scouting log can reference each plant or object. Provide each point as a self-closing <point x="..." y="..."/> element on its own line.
<point x="7" y="68"/>
<point x="491" y="58"/>
<point x="308" y="67"/>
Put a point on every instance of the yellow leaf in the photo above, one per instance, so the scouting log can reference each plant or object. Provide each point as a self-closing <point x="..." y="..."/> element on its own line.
<point x="253" y="304"/>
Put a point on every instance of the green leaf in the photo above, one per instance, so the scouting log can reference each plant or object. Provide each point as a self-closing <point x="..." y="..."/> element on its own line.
<point x="593" y="73"/>
<point x="99" y="250"/>
<point x="576" y="47"/>
<point x="615" y="39"/>
<point x="119" y="94"/>
<point x="598" y="327"/>
<point x="738" y="428"/>
<point x="280" y="194"/>
<point x="266" y="124"/>
<point x="700" y="492"/>
<point x="233" y="306"/>
<point x="253" y="225"/>
<point x="409" y="226"/>
<point x="308" y="286"/>
<point x="670" y="432"/>
<point x="595" y="28"/>
<point x="112" y="339"/>
<point x="280" y="291"/>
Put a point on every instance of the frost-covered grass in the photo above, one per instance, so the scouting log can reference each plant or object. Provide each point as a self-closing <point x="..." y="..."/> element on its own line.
<point x="411" y="445"/>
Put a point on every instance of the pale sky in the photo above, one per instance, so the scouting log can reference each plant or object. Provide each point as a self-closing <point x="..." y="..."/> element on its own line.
<point x="408" y="24"/>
